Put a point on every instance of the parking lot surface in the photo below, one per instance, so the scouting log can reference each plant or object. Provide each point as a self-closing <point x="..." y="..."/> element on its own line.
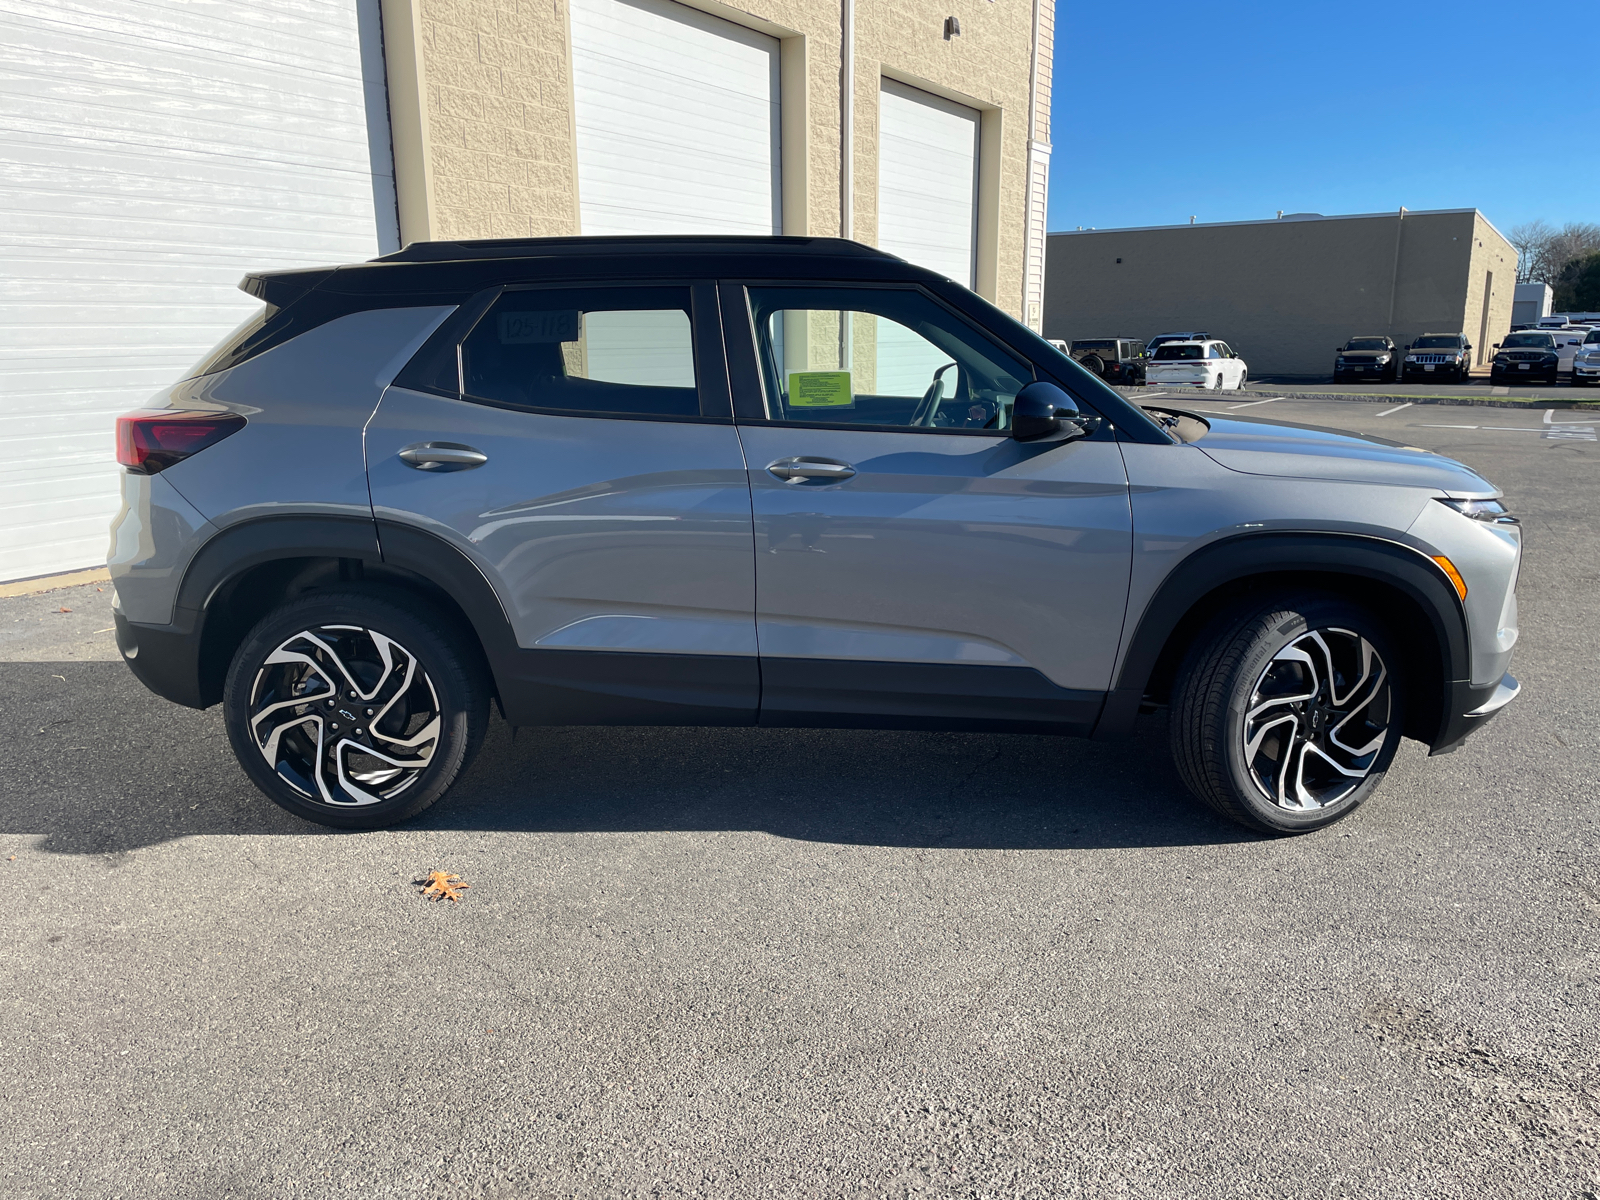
<point x="733" y="963"/>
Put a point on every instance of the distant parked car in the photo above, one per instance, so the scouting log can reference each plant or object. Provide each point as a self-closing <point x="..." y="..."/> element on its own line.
<point x="1161" y="339"/>
<point x="1442" y="355"/>
<point x="1204" y="364"/>
<point x="1116" y="360"/>
<point x="1524" y="357"/>
<point x="1365" y="358"/>
<point x="1586" y="365"/>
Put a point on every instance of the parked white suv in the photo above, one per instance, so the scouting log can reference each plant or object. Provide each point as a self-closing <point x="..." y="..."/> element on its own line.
<point x="1586" y="363"/>
<point x="1204" y="364"/>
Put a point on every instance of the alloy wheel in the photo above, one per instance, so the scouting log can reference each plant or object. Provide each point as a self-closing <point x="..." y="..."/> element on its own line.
<point x="1317" y="719"/>
<point x="344" y="715"/>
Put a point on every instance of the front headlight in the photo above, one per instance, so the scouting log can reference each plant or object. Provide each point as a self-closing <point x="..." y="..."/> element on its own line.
<point x="1382" y="358"/>
<point x="1411" y="358"/>
<point x="1491" y="512"/>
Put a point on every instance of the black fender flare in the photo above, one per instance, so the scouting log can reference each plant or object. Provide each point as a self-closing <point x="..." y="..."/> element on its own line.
<point x="195" y="646"/>
<point x="1214" y="567"/>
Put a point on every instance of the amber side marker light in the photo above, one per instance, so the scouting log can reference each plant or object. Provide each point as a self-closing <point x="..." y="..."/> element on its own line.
<point x="1449" y="568"/>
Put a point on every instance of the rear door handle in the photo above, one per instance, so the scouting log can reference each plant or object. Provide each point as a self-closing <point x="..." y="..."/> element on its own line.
<point x="443" y="456"/>
<point x="798" y="470"/>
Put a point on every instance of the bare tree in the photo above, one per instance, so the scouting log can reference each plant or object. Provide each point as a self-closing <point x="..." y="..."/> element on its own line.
<point x="1542" y="251"/>
<point x="1529" y="238"/>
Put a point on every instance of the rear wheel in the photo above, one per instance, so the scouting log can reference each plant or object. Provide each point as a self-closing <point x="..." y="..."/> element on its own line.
<point x="1094" y="363"/>
<point x="1285" y="715"/>
<point x="350" y="710"/>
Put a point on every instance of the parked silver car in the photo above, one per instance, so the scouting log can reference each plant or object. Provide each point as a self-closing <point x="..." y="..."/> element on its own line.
<point x="771" y="481"/>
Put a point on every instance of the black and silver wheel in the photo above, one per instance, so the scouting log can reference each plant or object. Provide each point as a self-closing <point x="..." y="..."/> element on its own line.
<point x="350" y="710"/>
<point x="1285" y="717"/>
<point x="1094" y="364"/>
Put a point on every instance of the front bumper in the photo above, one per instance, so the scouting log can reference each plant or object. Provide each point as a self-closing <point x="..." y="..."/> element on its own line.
<point x="1471" y="709"/>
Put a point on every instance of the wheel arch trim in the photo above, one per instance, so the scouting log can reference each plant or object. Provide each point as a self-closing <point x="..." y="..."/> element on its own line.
<point x="237" y="549"/>
<point x="1214" y="568"/>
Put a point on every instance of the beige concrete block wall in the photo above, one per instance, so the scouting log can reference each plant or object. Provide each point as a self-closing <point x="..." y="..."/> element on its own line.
<point x="498" y="89"/>
<point x="1284" y="294"/>
<point x="1491" y="288"/>
<point x="498" y="122"/>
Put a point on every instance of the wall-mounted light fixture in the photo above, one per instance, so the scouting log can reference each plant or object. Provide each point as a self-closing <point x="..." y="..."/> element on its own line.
<point x="952" y="28"/>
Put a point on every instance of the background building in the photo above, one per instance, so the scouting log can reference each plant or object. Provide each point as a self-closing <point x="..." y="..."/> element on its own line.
<point x="1532" y="301"/>
<point x="1285" y="293"/>
<point x="156" y="150"/>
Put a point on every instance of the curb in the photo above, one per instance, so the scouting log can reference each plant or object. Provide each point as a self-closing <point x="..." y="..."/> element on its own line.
<point x="1385" y="398"/>
<point x="51" y="583"/>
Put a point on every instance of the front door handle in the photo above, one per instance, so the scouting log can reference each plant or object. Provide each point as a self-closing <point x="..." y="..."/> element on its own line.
<point x="443" y="456"/>
<point x="798" y="470"/>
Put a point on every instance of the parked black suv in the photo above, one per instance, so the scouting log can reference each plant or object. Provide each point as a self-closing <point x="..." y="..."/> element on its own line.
<point x="1116" y="360"/>
<point x="1446" y="357"/>
<point x="1366" y="358"/>
<point x="1526" y="357"/>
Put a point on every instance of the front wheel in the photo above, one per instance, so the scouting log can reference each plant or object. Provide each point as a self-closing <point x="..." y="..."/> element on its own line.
<point x="1285" y="715"/>
<point x="355" y="708"/>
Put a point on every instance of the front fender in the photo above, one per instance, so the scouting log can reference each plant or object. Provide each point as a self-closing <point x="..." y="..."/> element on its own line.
<point x="1222" y="568"/>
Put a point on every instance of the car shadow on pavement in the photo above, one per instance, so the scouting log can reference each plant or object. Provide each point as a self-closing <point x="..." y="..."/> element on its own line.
<point x="92" y="764"/>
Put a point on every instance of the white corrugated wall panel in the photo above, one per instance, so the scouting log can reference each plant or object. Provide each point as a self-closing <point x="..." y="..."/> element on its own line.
<point x="678" y="121"/>
<point x="153" y="152"/>
<point x="928" y="180"/>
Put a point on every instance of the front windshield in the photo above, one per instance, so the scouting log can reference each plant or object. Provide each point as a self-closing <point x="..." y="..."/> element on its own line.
<point x="1593" y="339"/>
<point x="1525" y="341"/>
<point x="1097" y="344"/>
<point x="1174" y="350"/>
<point x="1438" y="343"/>
<point x="1366" y="344"/>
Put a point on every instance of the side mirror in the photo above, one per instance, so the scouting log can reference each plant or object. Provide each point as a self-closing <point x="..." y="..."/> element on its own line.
<point x="1043" y="412"/>
<point x="1408" y="345"/>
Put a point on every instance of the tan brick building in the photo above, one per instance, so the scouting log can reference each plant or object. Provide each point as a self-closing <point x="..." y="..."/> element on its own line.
<point x="1284" y="293"/>
<point x="920" y="127"/>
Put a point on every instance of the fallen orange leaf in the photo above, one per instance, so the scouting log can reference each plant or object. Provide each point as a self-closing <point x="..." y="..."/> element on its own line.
<point x="441" y="885"/>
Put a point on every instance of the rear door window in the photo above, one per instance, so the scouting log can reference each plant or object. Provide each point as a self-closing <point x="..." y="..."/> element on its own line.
<point x="585" y="351"/>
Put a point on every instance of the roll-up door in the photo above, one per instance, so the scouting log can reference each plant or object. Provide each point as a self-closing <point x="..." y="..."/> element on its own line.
<point x="927" y="209"/>
<point x="928" y="180"/>
<point x="153" y="152"/>
<point x="677" y="120"/>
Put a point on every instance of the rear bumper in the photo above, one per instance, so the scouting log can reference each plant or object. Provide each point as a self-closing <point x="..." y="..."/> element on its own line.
<point x="165" y="658"/>
<point x="1471" y="709"/>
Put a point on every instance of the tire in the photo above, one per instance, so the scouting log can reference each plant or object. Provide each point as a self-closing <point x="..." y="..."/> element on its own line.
<point x="1222" y="701"/>
<point x="1217" y="387"/>
<point x="1244" y="378"/>
<point x="1093" y="363"/>
<point x="426" y="718"/>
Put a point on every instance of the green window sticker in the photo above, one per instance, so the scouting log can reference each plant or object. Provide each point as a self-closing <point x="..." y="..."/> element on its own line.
<point x="820" y="389"/>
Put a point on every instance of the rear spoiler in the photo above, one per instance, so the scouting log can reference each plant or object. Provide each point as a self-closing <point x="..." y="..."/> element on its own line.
<point x="282" y="288"/>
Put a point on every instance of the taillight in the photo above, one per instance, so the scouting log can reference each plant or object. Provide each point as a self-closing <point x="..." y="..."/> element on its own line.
<point x="152" y="439"/>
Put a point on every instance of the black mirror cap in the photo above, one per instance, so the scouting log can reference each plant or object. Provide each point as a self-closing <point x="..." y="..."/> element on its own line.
<point x="1042" y="410"/>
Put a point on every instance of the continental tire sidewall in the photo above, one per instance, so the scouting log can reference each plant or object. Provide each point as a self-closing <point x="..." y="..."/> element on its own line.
<point x="1268" y="641"/>
<point x="426" y="633"/>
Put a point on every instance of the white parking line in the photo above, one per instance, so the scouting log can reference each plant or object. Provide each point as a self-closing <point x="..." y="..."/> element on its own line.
<point x="1396" y="408"/>
<point x="1253" y="403"/>
<point x="1431" y="425"/>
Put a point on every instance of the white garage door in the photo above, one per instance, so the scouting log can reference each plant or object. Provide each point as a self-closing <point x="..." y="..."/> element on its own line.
<point x="927" y="211"/>
<point x="152" y="152"/>
<point x="677" y="120"/>
<point x="928" y="181"/>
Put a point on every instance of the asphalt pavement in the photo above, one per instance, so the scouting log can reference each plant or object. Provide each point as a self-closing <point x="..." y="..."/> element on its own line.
<point x="755" y="963"/>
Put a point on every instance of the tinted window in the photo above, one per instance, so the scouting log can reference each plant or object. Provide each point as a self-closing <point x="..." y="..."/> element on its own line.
<point x="1528" y="341"/>
<point x="1215" y="352"/>
<point x="1367" y="344"/>
<point x="879" y="356"/>
<point x="1437" y="343"/>
<point x="591" y="350"/>
<point x="1175" y="350"/>
<point x="1107" y="344"/>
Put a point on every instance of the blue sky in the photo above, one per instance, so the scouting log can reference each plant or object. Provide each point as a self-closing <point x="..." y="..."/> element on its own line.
<point x="1232" y="110"/>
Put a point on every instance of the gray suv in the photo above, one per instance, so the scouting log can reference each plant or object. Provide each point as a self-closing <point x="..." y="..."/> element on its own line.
<point x="779" y="482"/>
